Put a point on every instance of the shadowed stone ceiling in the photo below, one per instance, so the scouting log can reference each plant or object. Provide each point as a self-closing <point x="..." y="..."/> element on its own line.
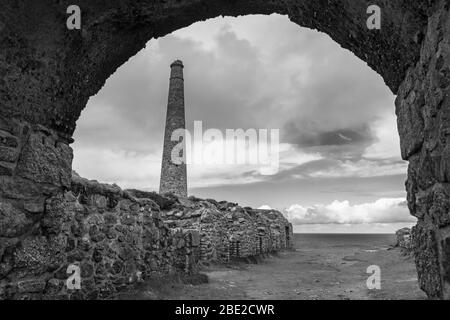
<point x="51" y="71"/>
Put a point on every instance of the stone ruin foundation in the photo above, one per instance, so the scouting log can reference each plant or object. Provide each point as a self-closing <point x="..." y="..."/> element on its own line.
<point x="226" y="230"/>
<point x="118" y="238"/>
<point x="48" y="73"/>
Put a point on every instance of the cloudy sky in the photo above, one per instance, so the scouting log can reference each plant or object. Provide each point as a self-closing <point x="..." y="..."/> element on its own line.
<point x="340" y="168"/>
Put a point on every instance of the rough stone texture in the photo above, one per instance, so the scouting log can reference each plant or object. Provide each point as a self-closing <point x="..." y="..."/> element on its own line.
<point x="423" y="110"/>
<point x="404" y="239"/>
<point x="173" y="174"/>
<point x="47" y="74"/>
<point x="113" y="237"/>
<point x="426" y="255"/>
<point x="226" y="230"/>
<point x="118" y="237"/>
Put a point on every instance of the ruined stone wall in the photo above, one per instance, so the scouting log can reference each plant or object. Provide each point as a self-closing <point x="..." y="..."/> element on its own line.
<point x="423" y="110"/>
<point x="229" y="231"/>
<point x="114" y="238"/>
<point x="117" y="238"/>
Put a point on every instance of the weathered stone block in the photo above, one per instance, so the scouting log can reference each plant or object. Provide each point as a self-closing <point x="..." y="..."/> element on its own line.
<point x="410" y="126"/>
<point x="6" y="169"/>
<point x="10" y="126"/>
<point x="87" y="270"/>
<point x="70" y="197"/>
<point x="43" y="162"/>
<point x="95" y="234"/>
<point x="426" y="254"/>
<point x="23" y="189"/>
<point x="195" y="238"/>
<point x="110" y="218"/>
<point x="70" y="245"/>
<point x="35" y="254"/>
<point x="76" y="256"/>
<point x="31" y="285"/>
<point x="8" y="141"/>
<point x="98" y="201"/>
<point x="444" y="249"/>
<point x="85" y="243"/>
<point x="8" y="154"/>
<point x="54" y="287"/>
<point x="97" y="256"/>
<point x="444" y="173"/>
<point x="35" y="206"/>
<point x="13" y="222"/>
<point x="128" y="220"/>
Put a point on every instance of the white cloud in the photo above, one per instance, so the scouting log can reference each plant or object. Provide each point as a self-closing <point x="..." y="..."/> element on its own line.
<point x="388" y="144"/>
<point x="290" y="156"/>
<point x="362" y="168"/>
<point x="384" y="210"/>
<point x="127" y="169"/>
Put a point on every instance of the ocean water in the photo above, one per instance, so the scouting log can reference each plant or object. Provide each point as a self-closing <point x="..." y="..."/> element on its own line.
<point x="365" y="241"/>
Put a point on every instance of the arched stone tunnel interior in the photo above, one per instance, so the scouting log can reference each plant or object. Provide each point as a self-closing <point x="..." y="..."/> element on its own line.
<point x="48" y="73"/>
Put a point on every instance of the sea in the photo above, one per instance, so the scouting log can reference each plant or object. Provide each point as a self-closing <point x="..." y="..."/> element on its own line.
<point x="367" y="241"/>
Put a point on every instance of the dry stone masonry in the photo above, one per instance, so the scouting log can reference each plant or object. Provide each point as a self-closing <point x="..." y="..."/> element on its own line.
<point x="226" y="230"/>
<point x="48" y="73"/>
<point x="114" y="238"/>
<point x="117" y="238"/>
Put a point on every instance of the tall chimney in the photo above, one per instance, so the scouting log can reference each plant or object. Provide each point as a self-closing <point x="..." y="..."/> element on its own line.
<point x="173" y="173"/>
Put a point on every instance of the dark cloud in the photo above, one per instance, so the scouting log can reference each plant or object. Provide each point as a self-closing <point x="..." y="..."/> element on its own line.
<point x="304" y="135"/>
<point x="334" y="167"/>
<point x="306" y="85"/>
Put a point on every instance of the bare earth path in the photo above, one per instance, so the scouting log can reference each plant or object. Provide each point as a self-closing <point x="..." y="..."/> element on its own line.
<point x="317" y="269"/>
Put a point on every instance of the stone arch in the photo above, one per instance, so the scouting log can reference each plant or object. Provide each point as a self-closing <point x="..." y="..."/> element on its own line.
<point x="48" y="73"/>
<point x="71" y="66"/>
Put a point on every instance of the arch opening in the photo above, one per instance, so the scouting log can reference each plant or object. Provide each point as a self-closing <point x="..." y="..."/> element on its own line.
<point x="335" y="119"/>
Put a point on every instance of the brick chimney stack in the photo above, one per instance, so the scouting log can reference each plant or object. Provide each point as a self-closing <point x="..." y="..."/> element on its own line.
<point x="173" y="175"/>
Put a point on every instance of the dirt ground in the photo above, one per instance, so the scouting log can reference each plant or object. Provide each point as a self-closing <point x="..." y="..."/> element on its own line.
<point x="313" y="271"/>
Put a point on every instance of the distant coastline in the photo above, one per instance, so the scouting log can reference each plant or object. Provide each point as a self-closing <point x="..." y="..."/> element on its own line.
<point x="375" y="228"/>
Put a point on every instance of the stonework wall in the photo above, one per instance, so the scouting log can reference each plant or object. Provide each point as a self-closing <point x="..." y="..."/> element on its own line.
<point x="119" y="237"/>
<point x="229" y="231"/>
<point x="423" y="110"/>
<point x="111" y="236"/>
<point x="35" y="164"/>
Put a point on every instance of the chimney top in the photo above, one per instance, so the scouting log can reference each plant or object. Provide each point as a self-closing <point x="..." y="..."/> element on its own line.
<point x="177" y="63"/>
